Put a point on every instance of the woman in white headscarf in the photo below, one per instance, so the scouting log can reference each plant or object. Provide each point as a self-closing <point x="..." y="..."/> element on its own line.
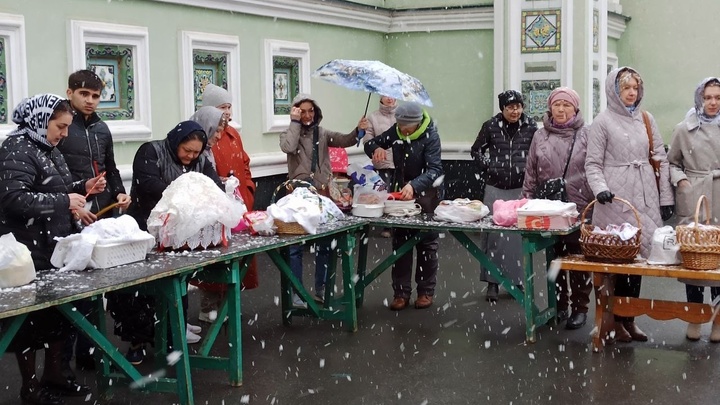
<point x="694" y="158"/>
<point x="37" y="203"/>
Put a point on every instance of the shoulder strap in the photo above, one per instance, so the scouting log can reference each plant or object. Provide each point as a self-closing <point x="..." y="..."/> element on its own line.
<point x="646" y="120"/>
<point x="572" y="145"/>
<point x="316" y="136"/>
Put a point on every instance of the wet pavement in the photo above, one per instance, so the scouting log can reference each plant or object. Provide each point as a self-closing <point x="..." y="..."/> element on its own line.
<point x="461" y="350"/>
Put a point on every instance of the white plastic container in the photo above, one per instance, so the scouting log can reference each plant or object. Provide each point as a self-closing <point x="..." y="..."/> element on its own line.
<point x="116" y="254"/>
<point x="547" y="214"/>
<point x="368" y="210"/>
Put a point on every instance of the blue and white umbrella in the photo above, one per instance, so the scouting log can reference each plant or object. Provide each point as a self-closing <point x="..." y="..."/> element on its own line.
<point x="374" y="77"/>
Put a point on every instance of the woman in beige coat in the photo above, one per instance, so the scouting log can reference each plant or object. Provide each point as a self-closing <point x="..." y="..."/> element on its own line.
<point x="617" y="163"/>
<point x="694" y="158"/>
<point x="380" y="121"/>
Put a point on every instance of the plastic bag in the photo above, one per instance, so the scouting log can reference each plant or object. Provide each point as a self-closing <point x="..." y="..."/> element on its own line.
<point x="364" y="174"/>
<point x="260" y="223"/>
<point x="81" y="250"/>
<point x="664" y="248"/>
<point x="505" y="212"/>
<point x="461" y="210"/>
<point x="368" y="195"/>
<point x="16" y="265"/>
<point x="232" y="185"/>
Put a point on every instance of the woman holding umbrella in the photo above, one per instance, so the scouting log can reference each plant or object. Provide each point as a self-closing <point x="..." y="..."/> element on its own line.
<point x="306" y="144"/>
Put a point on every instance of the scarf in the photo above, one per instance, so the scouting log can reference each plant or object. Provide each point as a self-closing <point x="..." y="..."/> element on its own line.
<point x="33" y="117"/>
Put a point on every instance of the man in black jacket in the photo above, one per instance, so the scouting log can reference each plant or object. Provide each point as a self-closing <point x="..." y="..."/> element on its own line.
<point x="418" y="174"/>
<point x="501" y="149"/>
<point x="88" y="149"/>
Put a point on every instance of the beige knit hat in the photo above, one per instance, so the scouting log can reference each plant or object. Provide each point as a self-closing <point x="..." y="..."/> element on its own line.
<point x="214" y="96"/>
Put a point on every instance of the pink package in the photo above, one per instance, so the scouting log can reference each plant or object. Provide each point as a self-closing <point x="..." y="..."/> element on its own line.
<point x="505" y="212"/>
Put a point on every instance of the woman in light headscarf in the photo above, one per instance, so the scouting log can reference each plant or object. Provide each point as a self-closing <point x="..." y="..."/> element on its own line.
<point x="694" y="158"/>
<point x="213" y="121"/>
<point x="37" y="202"/>
<point x="618" y="163"/>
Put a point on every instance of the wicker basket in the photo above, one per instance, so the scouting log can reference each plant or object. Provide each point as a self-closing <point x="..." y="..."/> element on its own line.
<point x="292" y="228"/>
<point x="699" y="247"/>
<point x="609" y="248"/>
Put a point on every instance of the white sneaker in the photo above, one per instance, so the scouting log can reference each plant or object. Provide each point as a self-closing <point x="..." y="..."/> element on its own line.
<point x="191" y="337"/>
<point x="194" y="328"/>
<point x="208" y="317"/>
<point x="298" y="302"/>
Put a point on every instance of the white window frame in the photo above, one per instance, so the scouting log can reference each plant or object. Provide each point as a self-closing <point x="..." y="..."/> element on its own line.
<point x="298" y="50"/>
<point x="228" y="44"/>
<point x="84" y="32"/>
<point x="12" y="30"/>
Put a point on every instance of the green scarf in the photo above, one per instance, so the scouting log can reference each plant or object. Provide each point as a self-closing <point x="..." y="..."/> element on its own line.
<point x="415" y="135"/>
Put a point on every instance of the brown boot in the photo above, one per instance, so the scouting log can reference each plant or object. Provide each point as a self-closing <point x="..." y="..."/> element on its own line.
<point x="621" y="334"/>
<point x="399" y="303"/>
<point x="423" y="301"/>
<point x="635" y="332"/>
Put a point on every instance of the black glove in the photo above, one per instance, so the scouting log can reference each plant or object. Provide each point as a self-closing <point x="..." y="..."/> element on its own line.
<point x="605" y="197"/>
<point x="666" y="211"/>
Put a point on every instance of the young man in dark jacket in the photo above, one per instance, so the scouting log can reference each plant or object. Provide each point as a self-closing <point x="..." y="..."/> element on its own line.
<point x="416" y="151"/>
<point x="88" y="149"/>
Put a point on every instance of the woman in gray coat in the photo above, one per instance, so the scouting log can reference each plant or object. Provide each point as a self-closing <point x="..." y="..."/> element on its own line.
<point x="617" y="163"/>
<point x="558" y="149"/>
<point x="694" y="158"/>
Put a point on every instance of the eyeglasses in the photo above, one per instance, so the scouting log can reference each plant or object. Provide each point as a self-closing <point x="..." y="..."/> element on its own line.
<point x="513" y="107"/>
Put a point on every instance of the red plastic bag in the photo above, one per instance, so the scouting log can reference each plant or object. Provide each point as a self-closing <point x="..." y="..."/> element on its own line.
<point x="338" y="160"/>
<point x="505" y="212"/>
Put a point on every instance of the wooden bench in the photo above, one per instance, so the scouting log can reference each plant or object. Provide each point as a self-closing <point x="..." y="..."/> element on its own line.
<point x="607" y="305"/>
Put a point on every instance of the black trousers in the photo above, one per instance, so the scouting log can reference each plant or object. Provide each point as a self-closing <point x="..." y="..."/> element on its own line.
<point x="627" y="285"/>
<point x="425" y="269"/>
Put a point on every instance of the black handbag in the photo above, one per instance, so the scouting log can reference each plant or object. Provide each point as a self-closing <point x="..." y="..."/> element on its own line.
<point x="555" y="189"/>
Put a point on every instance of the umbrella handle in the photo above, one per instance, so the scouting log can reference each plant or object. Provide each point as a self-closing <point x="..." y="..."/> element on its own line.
<point x="361" y="134"/>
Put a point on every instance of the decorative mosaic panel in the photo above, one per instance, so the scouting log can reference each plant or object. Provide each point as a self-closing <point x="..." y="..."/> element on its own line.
<point x="114" y="65"/>
<point x="536" y="93"/>
<point x="286" y="83"/>
<point x="596" y="30"/>
<point x="208" y="67"/>
<point x="541" y="31"/>
<point x="3" y="84"/>
<point x="596" y="97"/>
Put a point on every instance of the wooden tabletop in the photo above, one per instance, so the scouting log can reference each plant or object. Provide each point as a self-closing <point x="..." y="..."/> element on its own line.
<point x="638" y="267"/>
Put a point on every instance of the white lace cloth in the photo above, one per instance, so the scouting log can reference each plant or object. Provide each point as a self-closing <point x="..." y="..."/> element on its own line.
<point x="306" y="208"/>
<point x="194" y="212"/>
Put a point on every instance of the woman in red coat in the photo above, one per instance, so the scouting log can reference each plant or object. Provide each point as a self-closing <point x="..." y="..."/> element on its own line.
<point x="230" y="159"/>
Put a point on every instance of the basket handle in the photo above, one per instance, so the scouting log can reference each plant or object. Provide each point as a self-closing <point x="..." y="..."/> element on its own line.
<point x="287" y="185"/>
<point x="696" y="228"/>
<point x="637" y="216"/>
<point x="700" y="202"/>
